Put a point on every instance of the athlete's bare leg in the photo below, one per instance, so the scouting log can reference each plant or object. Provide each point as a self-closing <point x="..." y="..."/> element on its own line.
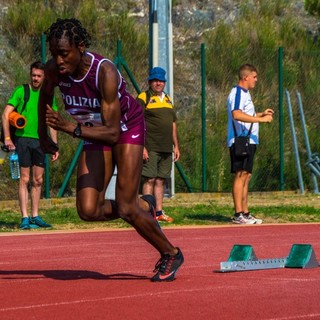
<point x="129" y="165"/>
<point x="95" y="170"/>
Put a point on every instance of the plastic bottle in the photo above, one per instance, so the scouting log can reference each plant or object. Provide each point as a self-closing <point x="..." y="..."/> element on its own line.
<point x="14" y="165"/>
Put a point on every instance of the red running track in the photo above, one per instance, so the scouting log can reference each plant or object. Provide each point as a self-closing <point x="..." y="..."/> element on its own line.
<point x="105" y="275"/>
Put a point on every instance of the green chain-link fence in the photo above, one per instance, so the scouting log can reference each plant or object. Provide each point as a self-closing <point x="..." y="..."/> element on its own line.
<point x="198" y="113"/>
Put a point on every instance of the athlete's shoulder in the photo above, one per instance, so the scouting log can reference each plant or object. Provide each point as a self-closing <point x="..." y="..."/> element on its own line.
<point x="96" y="55"/>
<point x="107" y="66"/>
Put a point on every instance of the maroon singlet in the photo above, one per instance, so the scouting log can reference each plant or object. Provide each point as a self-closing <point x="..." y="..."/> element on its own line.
<point x="82" y="100"/>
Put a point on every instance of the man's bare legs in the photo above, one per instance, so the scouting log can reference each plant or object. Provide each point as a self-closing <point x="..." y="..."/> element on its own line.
<point x="148" y="186"/>
<point x="34" y="221"/>
<point x="245" y="194"/>
<point x="36" y="184"/>
<point x="240" y="190"/>
<point x="155" y="186"/>
<point x="159" y="192"/>
<point x="23" y="191"/>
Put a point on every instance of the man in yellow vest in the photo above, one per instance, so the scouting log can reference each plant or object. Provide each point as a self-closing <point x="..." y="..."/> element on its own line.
<point x="161" y="145"/>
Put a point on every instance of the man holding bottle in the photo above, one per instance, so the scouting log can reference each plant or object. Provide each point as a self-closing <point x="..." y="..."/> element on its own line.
<point x="26" y="144"/>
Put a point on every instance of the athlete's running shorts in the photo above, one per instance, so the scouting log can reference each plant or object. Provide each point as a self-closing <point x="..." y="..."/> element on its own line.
<point x="135" y="135"/>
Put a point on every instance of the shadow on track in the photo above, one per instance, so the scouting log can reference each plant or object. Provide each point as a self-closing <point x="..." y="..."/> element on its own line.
<point x="67" y="275"/>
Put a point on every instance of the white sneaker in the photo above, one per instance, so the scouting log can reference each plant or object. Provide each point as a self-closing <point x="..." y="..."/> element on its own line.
<point x="239" y="219"/>
<point x="250" y="219"/>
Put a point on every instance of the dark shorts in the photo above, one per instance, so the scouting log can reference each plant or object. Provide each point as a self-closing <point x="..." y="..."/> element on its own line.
<point x="29" y="152"/>
<point x="158" y="166"/>
<point x="135" y="135"/>
<point x="242" y="163"/>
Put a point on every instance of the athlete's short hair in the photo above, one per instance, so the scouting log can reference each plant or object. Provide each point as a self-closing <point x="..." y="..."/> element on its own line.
<point x="70" y="28"/>
<point x="245" y="69"/>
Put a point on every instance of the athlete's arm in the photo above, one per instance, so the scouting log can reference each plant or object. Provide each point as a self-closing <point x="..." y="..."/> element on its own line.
<point x="109" y="132"/>
<point x="46" y="98"/>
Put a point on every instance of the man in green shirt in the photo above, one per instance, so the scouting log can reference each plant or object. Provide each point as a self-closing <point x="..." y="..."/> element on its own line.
<point x="26" y="144"/>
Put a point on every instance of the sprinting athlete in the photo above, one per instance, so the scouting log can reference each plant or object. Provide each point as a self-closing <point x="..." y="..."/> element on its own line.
<point x="111" y="123"/>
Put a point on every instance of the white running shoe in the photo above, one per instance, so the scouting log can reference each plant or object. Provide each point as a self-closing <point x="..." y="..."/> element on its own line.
<point x="240" y="220"/>
<point x="250" y="219"/>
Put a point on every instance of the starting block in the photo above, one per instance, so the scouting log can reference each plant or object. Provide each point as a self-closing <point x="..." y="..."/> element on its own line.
<point x="243" y="258"/>
<point x="302" y="256"/>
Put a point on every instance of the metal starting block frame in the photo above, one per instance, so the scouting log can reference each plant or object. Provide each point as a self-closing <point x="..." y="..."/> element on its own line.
<point x="243" y="258"/>
<point x="258" y="264"/>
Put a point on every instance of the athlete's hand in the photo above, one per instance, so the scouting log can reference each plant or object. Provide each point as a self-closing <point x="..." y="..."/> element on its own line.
<point x="54" y="120"/>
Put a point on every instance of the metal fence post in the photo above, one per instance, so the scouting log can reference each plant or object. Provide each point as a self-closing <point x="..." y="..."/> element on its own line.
<point x="203" y="117"/>
<point x="281" y="121"/>
<point x="295" y="143"/>
<point x="47" y="165"/>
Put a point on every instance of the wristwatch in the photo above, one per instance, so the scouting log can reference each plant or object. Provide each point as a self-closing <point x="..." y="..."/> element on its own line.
<point x="77" y="131"/>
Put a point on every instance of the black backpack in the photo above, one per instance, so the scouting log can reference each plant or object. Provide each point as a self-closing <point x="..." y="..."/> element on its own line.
<point x="12" y="128"/>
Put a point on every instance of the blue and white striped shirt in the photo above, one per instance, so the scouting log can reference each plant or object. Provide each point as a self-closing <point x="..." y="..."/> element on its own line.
<point x="240" y="99"/>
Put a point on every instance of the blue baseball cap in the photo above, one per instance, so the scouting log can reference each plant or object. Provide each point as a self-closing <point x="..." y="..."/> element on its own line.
<point x="157" y="73"/>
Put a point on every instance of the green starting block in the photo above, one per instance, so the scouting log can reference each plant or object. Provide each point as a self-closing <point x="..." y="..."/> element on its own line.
<point x="302" y="256"/>
<point x="243" y="258"/>
<point x="242" y="252"/>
